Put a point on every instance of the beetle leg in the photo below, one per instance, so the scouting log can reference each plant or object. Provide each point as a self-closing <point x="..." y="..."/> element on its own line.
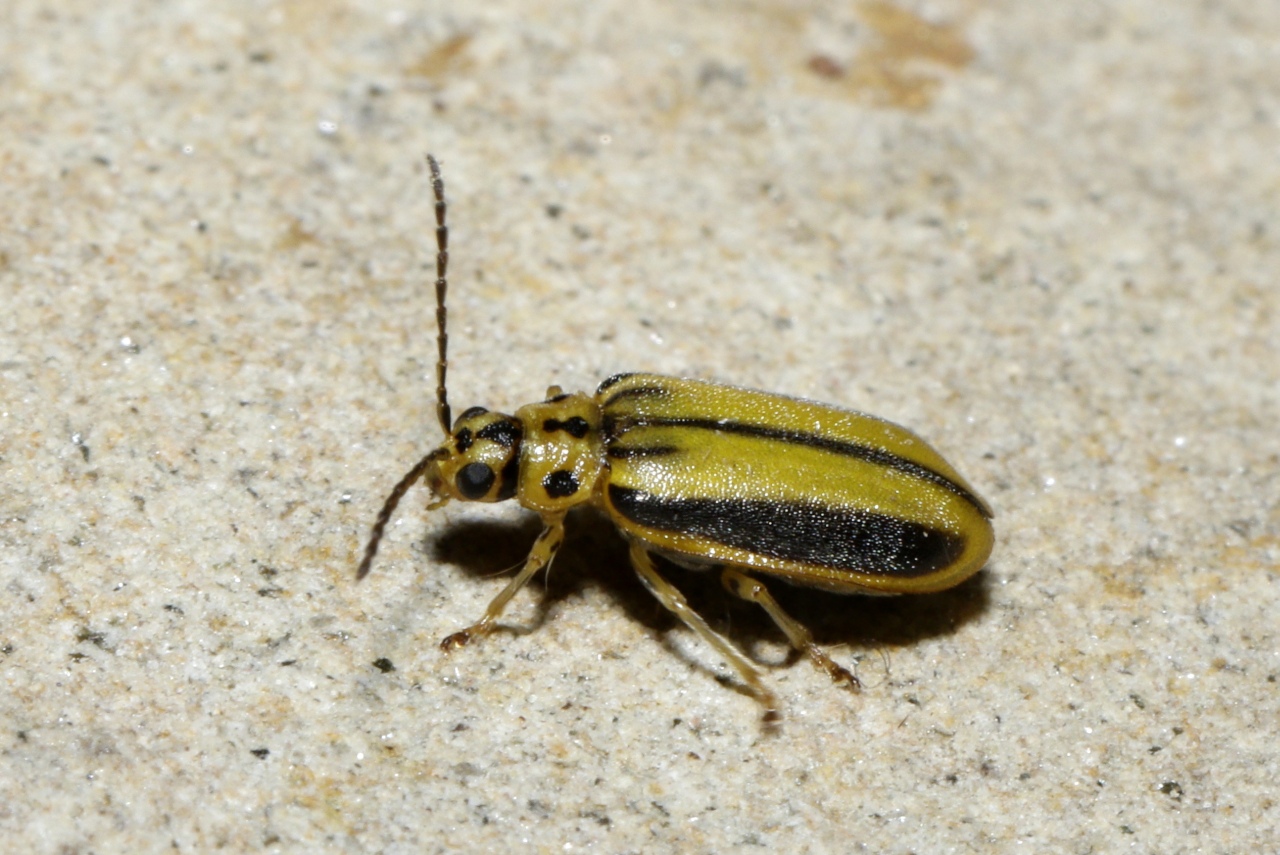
<point x="543" y="551"/>
<point x="674" y="601"/>
<point x="742" y="585"/>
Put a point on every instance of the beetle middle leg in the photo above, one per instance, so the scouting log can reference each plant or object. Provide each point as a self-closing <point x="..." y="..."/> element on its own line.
<point x="543" y="551"/>
<point x="742" y="585"/>
<point x="675" y="603"/>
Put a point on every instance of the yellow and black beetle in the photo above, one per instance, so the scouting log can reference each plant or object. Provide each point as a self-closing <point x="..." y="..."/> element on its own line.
<point x="710" y="476"/>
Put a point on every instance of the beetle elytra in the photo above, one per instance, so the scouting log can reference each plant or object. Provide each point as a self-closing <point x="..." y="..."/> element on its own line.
<point x="709" y="476"/>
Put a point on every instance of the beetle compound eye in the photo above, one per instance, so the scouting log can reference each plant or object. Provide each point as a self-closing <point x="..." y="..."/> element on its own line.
<point x="474" y="480"/>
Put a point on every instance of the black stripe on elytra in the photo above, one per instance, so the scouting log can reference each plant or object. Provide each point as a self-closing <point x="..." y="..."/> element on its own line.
<point x="616" y="378"/>
<point x="629" y="452"/>
<point x="812" y="440"/>
<point x="846" y="539"/>
<point x="633" y="392"/>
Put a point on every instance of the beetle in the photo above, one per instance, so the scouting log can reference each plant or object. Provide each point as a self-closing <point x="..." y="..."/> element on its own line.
<point x="709" y="476"/>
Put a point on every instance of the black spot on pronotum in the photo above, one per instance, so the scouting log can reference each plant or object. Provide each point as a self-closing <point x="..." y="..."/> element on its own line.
<point x="576" y="426"/>
<point x="474" y="480"/>
<point x="463" y="439"/>
<point x="560" y="484"/>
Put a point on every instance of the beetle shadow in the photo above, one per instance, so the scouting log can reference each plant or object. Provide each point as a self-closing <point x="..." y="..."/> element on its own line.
<point x="847" y="626"/>
<point x="595" y="554"/>
<point x="865" y="625"/>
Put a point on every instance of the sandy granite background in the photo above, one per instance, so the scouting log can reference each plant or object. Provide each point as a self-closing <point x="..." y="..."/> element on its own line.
<point x="1042" y="234"/>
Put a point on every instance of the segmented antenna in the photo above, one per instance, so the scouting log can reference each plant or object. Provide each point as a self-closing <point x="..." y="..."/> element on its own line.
<point x="389" y="508"/>
<point x="442" y="288"/>
<point x="442" y="367"/>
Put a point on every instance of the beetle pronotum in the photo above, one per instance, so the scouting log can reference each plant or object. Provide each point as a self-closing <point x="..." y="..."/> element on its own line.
<point x="709" y="476"/>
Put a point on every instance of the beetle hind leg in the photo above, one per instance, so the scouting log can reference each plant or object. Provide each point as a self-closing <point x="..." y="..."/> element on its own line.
<point x="543" y="551"/>
<point x="742" y="585"/>
<point x="674" y="601"/>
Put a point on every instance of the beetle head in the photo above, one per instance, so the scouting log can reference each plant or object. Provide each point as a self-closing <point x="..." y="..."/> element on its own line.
<point x="479" y="462"/>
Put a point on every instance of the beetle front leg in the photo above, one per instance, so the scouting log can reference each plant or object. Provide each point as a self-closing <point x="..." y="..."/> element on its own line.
<point x="742" y="585"/>
<point x="675" y="602"/>
<point x="543" y="551"/>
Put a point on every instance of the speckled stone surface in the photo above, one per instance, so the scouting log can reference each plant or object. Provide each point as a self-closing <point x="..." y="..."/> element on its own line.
<point x="1042" y="234"/>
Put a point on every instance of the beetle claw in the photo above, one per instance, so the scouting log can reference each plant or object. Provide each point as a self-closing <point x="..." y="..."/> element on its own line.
<point x="458" y="639"/>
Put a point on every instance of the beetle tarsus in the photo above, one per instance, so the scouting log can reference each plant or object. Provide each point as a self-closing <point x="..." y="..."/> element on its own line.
<point x="458" y="639"/>
<point x="838" y="673"/>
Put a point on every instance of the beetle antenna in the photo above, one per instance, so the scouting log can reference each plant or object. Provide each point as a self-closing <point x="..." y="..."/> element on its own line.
<point x="389" y="508"/>
<point x="442" y="288"/>
<point x="442" y="367"/>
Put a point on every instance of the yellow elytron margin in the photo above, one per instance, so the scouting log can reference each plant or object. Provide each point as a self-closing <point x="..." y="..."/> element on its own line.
<point x="710" y="475"/>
